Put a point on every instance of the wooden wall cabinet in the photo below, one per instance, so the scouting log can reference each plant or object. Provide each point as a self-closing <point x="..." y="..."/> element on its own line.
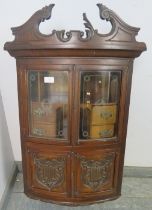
<point x="74" y="90"/>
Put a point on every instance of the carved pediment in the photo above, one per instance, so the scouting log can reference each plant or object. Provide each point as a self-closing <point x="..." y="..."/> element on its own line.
<point x="121" y="37"/>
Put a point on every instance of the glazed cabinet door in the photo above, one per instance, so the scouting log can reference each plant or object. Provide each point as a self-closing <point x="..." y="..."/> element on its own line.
<point x="47" y="171"/>
<point x="98" y="104"/>
<point x="46" y="103"/>
<point x="96" y="173"/>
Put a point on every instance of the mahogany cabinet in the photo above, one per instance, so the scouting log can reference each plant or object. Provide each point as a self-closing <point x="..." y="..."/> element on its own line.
<point x="74" y="90"/>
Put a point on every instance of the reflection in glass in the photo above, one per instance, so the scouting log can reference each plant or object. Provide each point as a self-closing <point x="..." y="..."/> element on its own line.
<point x="48" y="103"/>
<point x="99" y="97"/>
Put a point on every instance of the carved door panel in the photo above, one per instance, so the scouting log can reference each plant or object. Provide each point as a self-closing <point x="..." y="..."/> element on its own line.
<point x="95" y="173"/>
<point x="48" y="171"/>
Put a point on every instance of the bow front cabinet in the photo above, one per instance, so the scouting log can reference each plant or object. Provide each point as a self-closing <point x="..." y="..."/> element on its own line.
<point x="74" y="90"/>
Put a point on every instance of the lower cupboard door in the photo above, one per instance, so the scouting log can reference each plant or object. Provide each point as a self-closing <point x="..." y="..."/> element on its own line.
<point x="46" y="174"/>
<point x="96" y="174"/>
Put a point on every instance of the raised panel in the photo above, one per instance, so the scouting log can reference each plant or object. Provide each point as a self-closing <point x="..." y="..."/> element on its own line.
<point x="96" y="173"/>
<point x="48" y="171"/>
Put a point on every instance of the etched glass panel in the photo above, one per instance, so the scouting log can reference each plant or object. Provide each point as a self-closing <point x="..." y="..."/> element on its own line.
<point x="48" y="103"/>
<point x="99" y="97"/>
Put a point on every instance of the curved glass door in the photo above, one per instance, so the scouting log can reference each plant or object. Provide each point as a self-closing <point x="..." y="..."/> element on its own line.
<point x="48" y="104"/>
<point x="99" y="97"/>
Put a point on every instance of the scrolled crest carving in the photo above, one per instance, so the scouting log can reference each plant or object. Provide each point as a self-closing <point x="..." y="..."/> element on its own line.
<point x="104" y="12"/>
<point x="64" y="36"/>
<point x="33" y="23"/>
<point x="118" y="25"/>
<point x="89" y="29"/>
<point x="45" y="13"/>
<point x="121" y="37"/>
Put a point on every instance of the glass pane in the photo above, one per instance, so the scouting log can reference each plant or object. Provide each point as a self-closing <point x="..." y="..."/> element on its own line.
<point x="48" y="103"/>
<point x="99" y="97"/>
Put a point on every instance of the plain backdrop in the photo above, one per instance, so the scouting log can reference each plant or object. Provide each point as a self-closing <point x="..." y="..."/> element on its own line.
<point x="6" y="154"/>
<point x="67" y="15"/>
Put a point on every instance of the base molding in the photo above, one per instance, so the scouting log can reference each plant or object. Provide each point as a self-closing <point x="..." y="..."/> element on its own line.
<point x="71" y="203"/>
<point x="8" y="188"/>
